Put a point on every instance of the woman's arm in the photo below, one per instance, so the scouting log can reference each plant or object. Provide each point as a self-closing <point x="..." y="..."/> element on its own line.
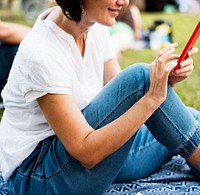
<point x="89" y="146"/>
<point x="111" y="69"/>
<point x="137" y="20"/>
<point x="80" y="139"/>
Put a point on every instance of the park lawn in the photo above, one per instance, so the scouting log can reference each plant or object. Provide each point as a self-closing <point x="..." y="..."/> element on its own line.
<point x="182" y="25"/>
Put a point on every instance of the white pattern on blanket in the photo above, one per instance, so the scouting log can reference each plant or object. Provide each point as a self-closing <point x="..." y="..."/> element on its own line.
<point x="173" y="178"/>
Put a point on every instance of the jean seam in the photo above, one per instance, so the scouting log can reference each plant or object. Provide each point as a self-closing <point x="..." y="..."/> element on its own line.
<point x="173" y="125"/>
<point x="34" y="168"/>
<point x="49" y="176"/>
<point x="120" y="104"/>
<point x="186" y="140"/>
<point x="60" y="170"/>
<point x="190" y="144"/>
<point x="38" y="159"/>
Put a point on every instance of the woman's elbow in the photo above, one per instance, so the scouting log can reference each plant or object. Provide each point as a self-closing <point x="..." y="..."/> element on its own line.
<point x="89" y="163"/>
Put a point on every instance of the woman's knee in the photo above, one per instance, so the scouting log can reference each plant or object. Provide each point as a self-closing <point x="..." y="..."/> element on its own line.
<point x="138" y="74"/>
<point x="141" y="67"/>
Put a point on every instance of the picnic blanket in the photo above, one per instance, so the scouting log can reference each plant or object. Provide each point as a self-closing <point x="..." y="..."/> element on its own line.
<point x="174" y="178"/>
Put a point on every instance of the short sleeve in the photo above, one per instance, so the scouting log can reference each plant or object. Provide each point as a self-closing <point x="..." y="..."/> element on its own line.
<point x="41" y="72"/>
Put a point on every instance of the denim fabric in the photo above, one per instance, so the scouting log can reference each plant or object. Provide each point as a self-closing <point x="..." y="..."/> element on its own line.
<point x="145" y="157"/>
<point x="50" y="169"/>
<point x="7" y="54"/>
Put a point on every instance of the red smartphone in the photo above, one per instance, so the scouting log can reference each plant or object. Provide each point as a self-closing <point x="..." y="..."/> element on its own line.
<point x="189" y="45"/>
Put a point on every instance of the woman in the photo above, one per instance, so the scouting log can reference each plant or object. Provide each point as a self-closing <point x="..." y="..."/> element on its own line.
<point x="68" y="128"/>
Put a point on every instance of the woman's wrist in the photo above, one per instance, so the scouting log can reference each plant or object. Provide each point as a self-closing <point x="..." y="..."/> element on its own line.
<point x="153" y="101"/>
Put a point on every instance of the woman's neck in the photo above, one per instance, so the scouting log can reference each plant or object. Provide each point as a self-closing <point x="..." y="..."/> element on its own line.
<point x="78" y="31"/>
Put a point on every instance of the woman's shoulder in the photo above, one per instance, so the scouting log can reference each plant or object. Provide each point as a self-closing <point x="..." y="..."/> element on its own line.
<point x="100" y="32"/>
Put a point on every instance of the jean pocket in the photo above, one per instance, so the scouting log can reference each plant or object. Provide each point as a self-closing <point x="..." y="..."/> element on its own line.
<point x="35" y="159"/>
<point x="48" y="158"/>
<point x="28" y="165"/>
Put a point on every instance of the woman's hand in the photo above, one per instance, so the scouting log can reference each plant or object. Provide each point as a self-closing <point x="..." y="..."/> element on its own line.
<point x="160" y="71"/>
<point x="185" y="70"/>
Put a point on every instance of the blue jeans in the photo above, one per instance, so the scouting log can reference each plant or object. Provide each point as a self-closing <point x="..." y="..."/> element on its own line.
<point x="50" y="169"/>
<point x="7" y="54"/>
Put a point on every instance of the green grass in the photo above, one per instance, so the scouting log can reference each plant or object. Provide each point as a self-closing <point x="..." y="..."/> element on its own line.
<point x="183" y="25"/>
<point x="1" y="112"/>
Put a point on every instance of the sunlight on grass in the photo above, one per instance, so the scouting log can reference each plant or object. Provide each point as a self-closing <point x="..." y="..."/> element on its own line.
<point x="182" y="25"/>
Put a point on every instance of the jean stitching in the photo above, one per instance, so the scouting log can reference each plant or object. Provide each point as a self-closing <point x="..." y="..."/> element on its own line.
<point x="41" y="154"/>
<point x="191" y="144"/>
<point x="196" y="126"/>
<point x="186" y="141"/>
<point x="170" y="122"/>
<point x="60" y="170"/>
<point x="38" y="159"/>
<point x="120" y="104"/>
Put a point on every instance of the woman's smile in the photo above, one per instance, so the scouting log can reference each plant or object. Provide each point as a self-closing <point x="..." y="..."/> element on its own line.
<point x="114" y="11"/>
<point x="104" y="11"/>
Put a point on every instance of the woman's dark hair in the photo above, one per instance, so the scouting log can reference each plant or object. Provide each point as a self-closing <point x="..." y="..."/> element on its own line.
<point x="72" y="9"/>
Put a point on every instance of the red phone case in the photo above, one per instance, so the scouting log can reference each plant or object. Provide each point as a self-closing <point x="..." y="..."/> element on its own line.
<point x="189" y="45"/>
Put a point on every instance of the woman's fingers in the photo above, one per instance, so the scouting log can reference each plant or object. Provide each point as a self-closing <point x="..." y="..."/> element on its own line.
<point x="174" y="57"/>
<point x="170" y="66"/>
<point x="164" y="56"/>
<point x="186" y="68"/>
<point x="167" y="53"/>
<point x="187" y="62"/>
<point x="193" y="51"/>
<point x="168" y="47"/>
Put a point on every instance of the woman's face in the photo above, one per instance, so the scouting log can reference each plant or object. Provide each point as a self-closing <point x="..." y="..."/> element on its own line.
<point x="103" y="11"/>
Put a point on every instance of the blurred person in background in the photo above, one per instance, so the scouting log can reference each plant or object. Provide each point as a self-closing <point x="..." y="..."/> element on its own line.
<point x="127" y="29"/>
<point x="11" y="35"/>
<point x="8" y="8"/>
<point x="188" y="6"/>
